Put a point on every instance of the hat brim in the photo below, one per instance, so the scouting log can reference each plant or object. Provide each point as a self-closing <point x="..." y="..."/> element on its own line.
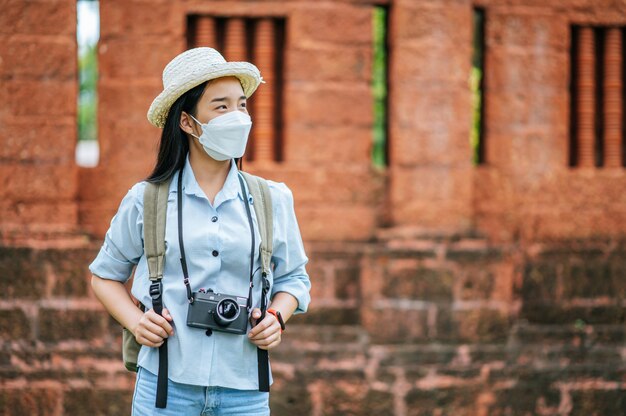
<point x="245" y="72"/>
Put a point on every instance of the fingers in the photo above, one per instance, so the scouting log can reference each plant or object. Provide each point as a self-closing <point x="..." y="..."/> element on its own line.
<point x="161" y="321"/>
<point x="254" y="316"/>
<point x="268" y="343"/>
<point x="152" y="328"/>
<point x="166" y="314"/>
<point x="267" y="333"/>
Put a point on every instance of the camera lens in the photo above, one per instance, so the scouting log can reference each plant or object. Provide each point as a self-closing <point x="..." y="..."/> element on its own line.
<point x="227" y="311"/>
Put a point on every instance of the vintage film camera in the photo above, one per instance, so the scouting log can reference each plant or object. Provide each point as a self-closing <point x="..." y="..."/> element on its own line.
<point x="218" y="312"/>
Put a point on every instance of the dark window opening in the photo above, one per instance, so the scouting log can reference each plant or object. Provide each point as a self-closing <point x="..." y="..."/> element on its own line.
<point x="262" y="42"/>
<point x="597" y="97"/>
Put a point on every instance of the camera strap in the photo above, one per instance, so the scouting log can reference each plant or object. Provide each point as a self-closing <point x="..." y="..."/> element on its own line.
<point x="262" y="202"/>
<point x="263" y="208"/>
<point x="155" y="213"/>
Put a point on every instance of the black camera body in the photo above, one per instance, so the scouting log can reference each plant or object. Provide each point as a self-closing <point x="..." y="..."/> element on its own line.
<point x="218" y="312"/>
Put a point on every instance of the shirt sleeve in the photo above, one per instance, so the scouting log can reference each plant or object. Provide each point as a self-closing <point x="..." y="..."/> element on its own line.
<point x="288" y="255"/>
<point x="123" y="243"/>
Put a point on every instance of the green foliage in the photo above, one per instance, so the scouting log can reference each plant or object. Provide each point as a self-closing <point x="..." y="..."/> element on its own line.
<point x="474" y="81"/>
<point x="88" y="95"/>
<point x="379" y="87"/>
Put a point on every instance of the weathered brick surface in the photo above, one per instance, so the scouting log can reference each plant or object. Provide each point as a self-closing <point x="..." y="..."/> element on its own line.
<point x="31" y="401"/>
<point x="452" y="401"/>
<point x="23" y="275"/>
<point x="14" y="324"/>
<point x="290" y="395"/>
<point x="88" y="401"/>
<point x="64" y="324"/>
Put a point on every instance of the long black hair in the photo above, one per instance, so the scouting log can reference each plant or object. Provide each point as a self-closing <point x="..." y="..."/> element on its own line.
<point x="174" y="145"/>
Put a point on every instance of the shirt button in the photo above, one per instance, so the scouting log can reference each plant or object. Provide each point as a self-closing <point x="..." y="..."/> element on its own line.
<point x="214" y="219"/>
<point x="215" y="253"/>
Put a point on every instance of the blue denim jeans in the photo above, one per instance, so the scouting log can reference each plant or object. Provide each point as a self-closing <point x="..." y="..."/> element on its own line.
<point x="185" y="399"/>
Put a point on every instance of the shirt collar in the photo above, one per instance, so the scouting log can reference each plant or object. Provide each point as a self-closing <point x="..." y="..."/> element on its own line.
<point x="230" y="190"/>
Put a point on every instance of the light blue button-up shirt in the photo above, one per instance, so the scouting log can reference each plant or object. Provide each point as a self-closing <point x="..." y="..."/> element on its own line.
<point x="217" y="248"/>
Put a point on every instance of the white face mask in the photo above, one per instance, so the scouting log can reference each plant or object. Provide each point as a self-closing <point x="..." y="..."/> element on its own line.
<point x="225" y="137"/>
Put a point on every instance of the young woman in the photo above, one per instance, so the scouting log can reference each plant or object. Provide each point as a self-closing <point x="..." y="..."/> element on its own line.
<point x="202" y="111"/>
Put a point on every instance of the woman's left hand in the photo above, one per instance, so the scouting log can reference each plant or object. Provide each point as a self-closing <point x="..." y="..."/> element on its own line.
<point x="265" y="334"/>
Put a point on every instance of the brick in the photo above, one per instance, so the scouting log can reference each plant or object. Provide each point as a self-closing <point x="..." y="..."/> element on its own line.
<point x="23" y="141"/>
<point x="333" y="184"/>
<point x="107" y="186"/>
<point x="347" y="282"/>
<point x="547" y="28"/>
<point x="550" y="313"/>
<point x="617" y="271"/>
<point x="421" y="143"/>
<point x="540" y="280"/>
<point x="348" y="144"/>
<point x="289" y="396"/>
<point x="419" y="284"/>
<point x="45" y="216"/>
<point x="473" y="254"/>
<point x="481" y="325"/>
<point x="570" y="334"/>
<point x="395" y="325"/>
<point x="594" y="277"/>
<point x="429" y="183"/>
<point x="510" y="121"/>
<point x="46" y="97"/>
<point x="128" y="102"/>
<point x="348" y="394"/>
<point x="334" y="24"/>
<point x="336" y="222"/>
<point x="329" y="316"/>
<point x="322" y="275"/>
<point x="419" y="356"/>
<point x="142" y="148"/>
<point x="431" y="197"/>
<point x="512" y="72"/>
<point x="137" y="19"/>
<point x="136" y="57"/>
<point x="14" y="324"/>
<point x="31" y="182"/>
<point x="66" y="324"/>
<point x="46" y="59"/>
<point x="38" y="18"/>
<point x="476" y="283"/>
<point x="598" y="402"/>
<point x="23" y="273"/>
<point x="448" y="401"/>
<point x="69" y="270"/>
<point x="311" y="103"/>
<point x="30" y="401"/>
<point x="337" y="335"/>
<point x="97" y="402"/>
<point x="330" y="64"/>
<point x="447" y="23"/>
<point x="524" y="397"/>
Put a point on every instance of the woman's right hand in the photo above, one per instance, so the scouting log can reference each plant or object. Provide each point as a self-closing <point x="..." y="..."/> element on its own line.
<point x="152" y="328"/>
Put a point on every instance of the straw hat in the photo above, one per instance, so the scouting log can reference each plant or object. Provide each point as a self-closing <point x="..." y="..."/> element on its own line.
<point x="190" y="69"/>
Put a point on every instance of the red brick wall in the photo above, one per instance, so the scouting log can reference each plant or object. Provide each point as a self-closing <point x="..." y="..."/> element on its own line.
<point x="328" y="110"/>
<point x="37" y="119"/>
<point x="526" y="189"/>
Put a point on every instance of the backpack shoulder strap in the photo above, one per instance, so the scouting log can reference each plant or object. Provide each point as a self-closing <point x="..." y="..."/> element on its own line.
<point x="263" y="208"/>
<point x="154" y="215"/>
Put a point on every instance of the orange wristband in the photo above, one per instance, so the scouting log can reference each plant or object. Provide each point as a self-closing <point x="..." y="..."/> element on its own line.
<point x="278" y="316"/>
